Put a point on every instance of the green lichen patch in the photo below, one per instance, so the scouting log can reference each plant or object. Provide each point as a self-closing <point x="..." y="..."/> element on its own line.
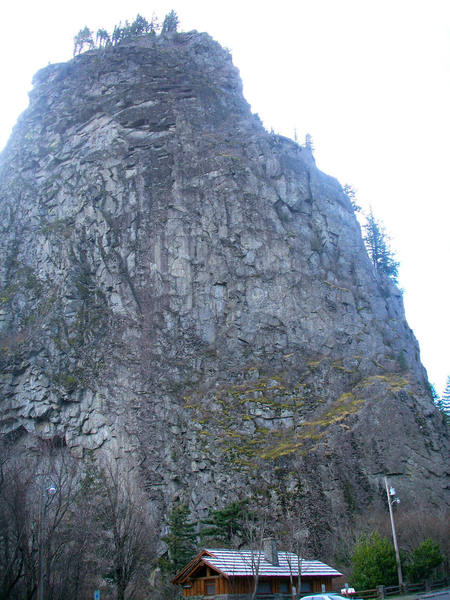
<point x="266" y="419"/>
<point x="336" y="287"/>
<point x="396" y="382"/>
<point x="58" y="227"/>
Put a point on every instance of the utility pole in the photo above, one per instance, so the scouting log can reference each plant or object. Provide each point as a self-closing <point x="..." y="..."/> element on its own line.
<point x="390" y="492"/>
<point x="47" y="492"/>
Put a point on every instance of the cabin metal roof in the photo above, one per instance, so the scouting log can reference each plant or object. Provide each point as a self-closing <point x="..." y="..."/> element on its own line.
<point x="247" y="562"/>
<point x="241" y="563"/>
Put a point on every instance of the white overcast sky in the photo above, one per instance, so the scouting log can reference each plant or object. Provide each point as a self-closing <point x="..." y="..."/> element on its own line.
<point x="368" y="79"/>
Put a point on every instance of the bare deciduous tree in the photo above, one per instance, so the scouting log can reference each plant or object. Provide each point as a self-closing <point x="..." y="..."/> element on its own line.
<point x="18" y="540"/>
<point x="37" y="533"/>
<point x="255" y="530"/>
<point x="130" y="542"/>
<point x="92" y="529"/>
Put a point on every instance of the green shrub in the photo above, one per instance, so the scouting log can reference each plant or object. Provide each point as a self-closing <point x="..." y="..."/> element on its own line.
<point x="373" y="562"/>
<point x="424" y="560"/>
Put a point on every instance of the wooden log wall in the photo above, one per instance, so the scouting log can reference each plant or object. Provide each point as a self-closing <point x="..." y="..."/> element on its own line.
<point x="244" y="585"/>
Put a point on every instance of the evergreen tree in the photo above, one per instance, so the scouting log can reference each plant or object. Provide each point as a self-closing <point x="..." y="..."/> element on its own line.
<point x="424" y="560"/>
<point x="118" y="34"/>
<point x="350" y="192"/>
<point x="446" y="397"/>
<point x="170" y="23"/>
<point x="83" y="38"/>
<point x="373" y="562"/>
<point x="377" y="244"/>
<point x="126" y="31"/>
<point x="225" y="524"/>
<point x="434" y="394"/>
<point x="102" y="38"/>
<point x="309" y="142"/>
<point x="443" y="403"/>
<point x="181" y="539"/>
<point x="140" y="25"/>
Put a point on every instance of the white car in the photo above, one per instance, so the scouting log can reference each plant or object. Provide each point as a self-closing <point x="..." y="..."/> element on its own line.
<point x="328" y="596"/>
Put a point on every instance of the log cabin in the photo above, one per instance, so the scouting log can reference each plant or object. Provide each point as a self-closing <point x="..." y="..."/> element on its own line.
<point x="223" y="574"/>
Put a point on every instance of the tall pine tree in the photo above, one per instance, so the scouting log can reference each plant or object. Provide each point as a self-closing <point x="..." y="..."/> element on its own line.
<point x="444" y="403"/>
<point x="378" y="248"/>
<point x="181" y="539"/>
<point x="226" y="525"/>
<point x="170" y="23"/>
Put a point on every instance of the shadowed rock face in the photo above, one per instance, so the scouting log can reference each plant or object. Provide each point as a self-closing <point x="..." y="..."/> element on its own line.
<point x="182" y="286"/>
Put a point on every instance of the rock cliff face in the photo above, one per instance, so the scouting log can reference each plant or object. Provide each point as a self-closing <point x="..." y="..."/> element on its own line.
<point x="182" y="286"/>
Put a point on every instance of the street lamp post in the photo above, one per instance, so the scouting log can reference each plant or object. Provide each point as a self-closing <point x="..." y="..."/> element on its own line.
<point x="47" y="494"/>
<point x="393" y="499"/>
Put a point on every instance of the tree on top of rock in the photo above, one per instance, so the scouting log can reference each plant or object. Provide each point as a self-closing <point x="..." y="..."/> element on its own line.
<point x="102" y="38"/>
<point x="378" y="248"/>
<point x="170" y="23"/>
<point x="83" y="38"/>
<point x="139" y="26"/>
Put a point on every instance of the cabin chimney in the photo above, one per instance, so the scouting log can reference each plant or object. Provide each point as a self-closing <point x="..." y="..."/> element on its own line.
<point x="271" y="552"/>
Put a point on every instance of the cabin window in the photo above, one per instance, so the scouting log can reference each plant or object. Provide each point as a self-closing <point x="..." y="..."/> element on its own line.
<point x="306" y="586"/>
<point x="263" y="587"/>
<point x="210" y="588"/>
<point x="284" y="587"/>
